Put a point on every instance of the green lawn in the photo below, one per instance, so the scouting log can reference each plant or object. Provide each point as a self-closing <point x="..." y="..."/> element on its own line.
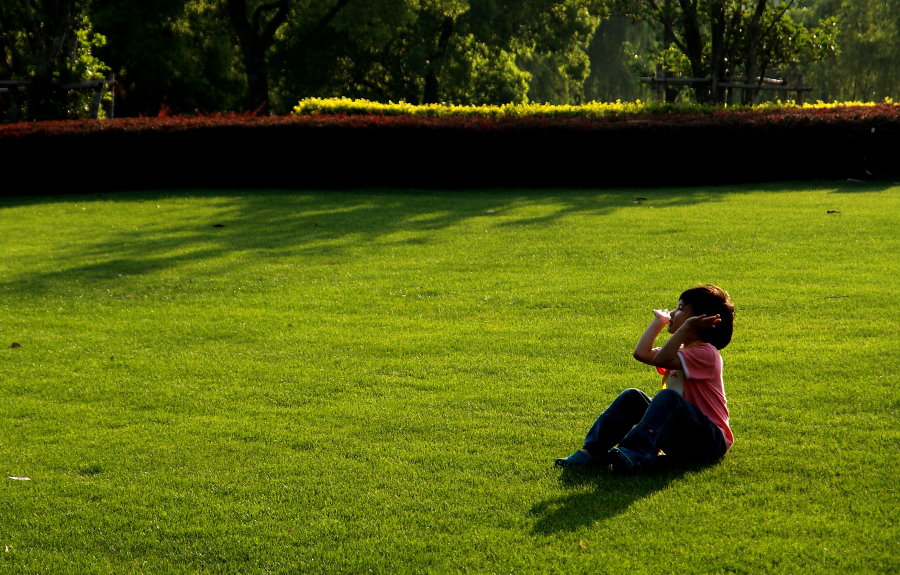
<point x="378" y="381"/>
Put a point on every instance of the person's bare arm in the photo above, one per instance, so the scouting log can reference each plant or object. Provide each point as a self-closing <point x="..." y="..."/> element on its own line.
<point x="643" y="351"/>
<point x="667" y="356"/>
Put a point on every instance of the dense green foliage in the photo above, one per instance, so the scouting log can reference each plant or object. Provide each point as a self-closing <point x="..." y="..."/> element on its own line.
<point x="52" y="46"/>
<point x="187" y="56"/>
<point x="378" y="381"/>
<point x="731" y="42"/>
<point x="867" y="66"/>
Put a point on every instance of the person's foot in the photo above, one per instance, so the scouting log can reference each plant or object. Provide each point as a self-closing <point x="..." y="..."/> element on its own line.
<point x="579" y="459"/>
<point x="626" y="461"/>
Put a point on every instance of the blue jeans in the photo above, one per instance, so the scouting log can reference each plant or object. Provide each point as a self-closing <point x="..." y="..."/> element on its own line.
<point x="644" y="425"/>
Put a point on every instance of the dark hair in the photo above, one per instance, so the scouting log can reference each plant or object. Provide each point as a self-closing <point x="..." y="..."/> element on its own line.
<point x="711" y="300"/>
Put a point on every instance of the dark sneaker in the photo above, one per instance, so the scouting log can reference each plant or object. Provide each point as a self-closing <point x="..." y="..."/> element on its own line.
<point x="579" y="459"/>
<point x="626" y="461"/>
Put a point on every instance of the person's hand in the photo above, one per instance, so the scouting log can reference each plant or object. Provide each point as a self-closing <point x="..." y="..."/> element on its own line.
<point x="699" y="322"/>
<point x="663" y="315"/>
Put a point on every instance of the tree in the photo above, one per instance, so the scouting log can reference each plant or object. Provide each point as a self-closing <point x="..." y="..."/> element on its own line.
<point x="618" y="56"/>
<point x="48" y="43"/>
<point x="419" y="51"/>
<point x="451" y="55"/>
<point x="867" y="66"/>
<point x="479" y="52"/>
<point x="555" y="49"/>
<point x="731" y="40"/>
<point x="257" y="32"/>
<point x="170" y="56"/>
<point x="363" y="53"/>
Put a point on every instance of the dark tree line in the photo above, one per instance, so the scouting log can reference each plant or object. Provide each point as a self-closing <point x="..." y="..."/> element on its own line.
<point x="187" y="56"/>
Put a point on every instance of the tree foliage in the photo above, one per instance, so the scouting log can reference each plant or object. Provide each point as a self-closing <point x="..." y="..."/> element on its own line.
<point x="171" y="56"/>
<point x="49" y="44"/>
<point x="731" y="41"/>
<point x="428" y="51"/>
<point x="867" y="64"/>
<point x="186" y="56"/>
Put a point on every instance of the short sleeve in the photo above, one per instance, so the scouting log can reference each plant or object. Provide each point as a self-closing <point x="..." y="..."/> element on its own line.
<point x="699" y="362"/>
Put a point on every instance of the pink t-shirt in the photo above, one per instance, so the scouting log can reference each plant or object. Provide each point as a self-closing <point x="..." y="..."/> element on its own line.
<point x="700" y="382"/>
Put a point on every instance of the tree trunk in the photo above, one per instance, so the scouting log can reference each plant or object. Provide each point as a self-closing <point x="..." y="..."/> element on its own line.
<point x="693" y="43"/>
<point x="257" y="81"/>
<point x="254" y="38"/>
<point x="431" y="93"/>
<point x="717" y="56"/>
<point x="754" y="38"/>
<point x="671" y="92"/>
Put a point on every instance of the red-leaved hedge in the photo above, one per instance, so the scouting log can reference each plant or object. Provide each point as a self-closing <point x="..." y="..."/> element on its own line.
<point x="331" y="151"/>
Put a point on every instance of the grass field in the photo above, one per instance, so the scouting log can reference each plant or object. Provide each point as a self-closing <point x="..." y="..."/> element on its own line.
<point x="378" y="381"/>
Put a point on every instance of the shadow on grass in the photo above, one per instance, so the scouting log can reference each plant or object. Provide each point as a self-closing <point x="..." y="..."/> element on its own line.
<point x="852" y="186"/>
<point x="612" y="495"/>
<point x="329" y="224"/>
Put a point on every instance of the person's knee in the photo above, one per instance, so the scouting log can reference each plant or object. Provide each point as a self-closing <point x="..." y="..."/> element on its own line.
<point x="634" y="396"/>
<point x="667" y="396"/>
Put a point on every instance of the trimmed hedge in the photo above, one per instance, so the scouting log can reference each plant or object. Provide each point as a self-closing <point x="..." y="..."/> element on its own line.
<point x="338" y="150"/>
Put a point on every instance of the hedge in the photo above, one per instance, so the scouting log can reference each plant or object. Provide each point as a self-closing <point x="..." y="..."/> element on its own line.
<point x="340" y="149"/>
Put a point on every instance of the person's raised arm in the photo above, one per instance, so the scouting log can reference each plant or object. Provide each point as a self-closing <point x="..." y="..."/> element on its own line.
<point x="667" y="356"/>
<point x="643" y="351"/>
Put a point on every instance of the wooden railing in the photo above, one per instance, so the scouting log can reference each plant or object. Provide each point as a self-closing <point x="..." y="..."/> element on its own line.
<point x="661" y="81"/>
<point x="99" y="86"/>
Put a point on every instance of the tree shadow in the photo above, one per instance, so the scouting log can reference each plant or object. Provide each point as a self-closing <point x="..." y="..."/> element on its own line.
<point x="859" y="186"/>
<point x="612" y="495"/>
<point x="328" y="225"/>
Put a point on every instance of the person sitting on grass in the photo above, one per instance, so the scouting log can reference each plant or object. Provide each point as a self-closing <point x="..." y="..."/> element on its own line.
<point x="687" y="420"/>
